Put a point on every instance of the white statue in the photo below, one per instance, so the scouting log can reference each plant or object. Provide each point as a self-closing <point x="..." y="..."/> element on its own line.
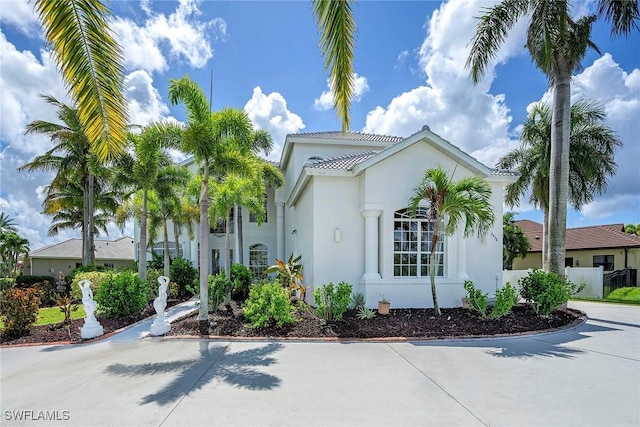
<point x="160" y="326"/>
<point x="91" y="327"/>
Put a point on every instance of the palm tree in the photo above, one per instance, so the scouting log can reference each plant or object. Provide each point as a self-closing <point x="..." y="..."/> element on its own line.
<point x="514" y="242"/>
<point x="334" y="20"/>
<point x="74" y="162"/>
<point x="209" y="137"/>
<point x="447" y="203"/>
<point x="90" y="61"/>
<point x="556" y="43"/>
<point x="6" y="223"/>
<point x="150" y="157"/>
<point x="12" y="246"/>
<point x="591" y="148"/>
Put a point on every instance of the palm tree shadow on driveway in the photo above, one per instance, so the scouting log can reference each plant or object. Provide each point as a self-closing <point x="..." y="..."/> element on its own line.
<point x="238" y="369"/>
<point x="543" y="345"/>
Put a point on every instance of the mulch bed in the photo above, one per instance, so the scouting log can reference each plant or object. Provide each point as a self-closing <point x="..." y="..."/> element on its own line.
<point x="229" y="321"/>
<point x="410" y="323"/>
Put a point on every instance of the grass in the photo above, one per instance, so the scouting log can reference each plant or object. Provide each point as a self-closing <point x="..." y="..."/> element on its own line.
<point x="621" y="295"/>
<point x="52" y="315"/>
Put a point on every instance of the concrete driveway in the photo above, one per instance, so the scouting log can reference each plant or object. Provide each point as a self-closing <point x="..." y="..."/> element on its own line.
<point x="589" y="376"/>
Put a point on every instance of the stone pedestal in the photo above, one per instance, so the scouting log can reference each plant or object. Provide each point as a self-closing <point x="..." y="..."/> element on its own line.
<point x="160" y="328"/>
<point x="91" y="329"/>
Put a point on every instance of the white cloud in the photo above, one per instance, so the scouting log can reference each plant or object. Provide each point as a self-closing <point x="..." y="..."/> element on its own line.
<point x="187" y="38"/>
<point x="402" y="57"/>
<point x="325" y="101"/>
<point x="270" y="112"/>
<point x="145" y="103"/>
<point x="19" y="14"/>
<point x="465" y="114"/>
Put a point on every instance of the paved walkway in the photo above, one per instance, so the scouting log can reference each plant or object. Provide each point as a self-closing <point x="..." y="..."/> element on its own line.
<point x="589" y="376"/>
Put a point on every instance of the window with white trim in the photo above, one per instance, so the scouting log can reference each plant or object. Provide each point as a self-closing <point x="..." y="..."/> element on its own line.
<point x="412" y="244"/>
<point x="258" y="255"/>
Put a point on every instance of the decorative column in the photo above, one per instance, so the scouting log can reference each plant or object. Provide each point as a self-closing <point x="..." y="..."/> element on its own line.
<point x="461" y="256"/>
<point x="280" y="230"/>
<point x="371" y="243"/>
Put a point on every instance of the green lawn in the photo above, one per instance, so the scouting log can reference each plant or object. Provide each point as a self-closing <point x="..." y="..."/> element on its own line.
<point x="51" y="315"/>
<point x="622" y="296"/>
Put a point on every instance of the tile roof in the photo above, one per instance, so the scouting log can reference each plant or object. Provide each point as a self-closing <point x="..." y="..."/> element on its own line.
<point x="504" y="172"/>
<point x="121" y="249"/>
<point x="593" y="237"/>
<point x="346" y="162"/>
<point x="348" y="136"/>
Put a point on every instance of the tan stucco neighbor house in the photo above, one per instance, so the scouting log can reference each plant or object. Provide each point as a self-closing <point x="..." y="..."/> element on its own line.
<point x="599" y="245"/>
<point x="67" y="255"/>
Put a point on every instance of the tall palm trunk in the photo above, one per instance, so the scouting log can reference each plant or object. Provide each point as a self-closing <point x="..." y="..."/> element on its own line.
<point x="203" y="315"/>
<point x="176" y="239"/>
<point x="545" y="238"/>
<point x="236" y="235"/>
<point x="86" y="213"/>
<point x="227" y="247"/>
<point x="432" y="265"/>
<point x="142" y="250"/>
<point x="559" y="171"/>
<point x="92" y="220"/>
<point x="167" y="258"/>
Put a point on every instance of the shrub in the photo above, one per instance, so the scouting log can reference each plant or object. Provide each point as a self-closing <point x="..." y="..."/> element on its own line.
<point x="122" y="294"/>
<point x="506" y="298"/>
<point x="477" y="301"/>
<point x="85" y="269"/>
<point x="365" y="313"/>
<point x="19" y="310"/>
<point x="95" y="277"/>
<point x="6" y="283"/>
<point x="332" y="301"/>
<point x="219" y="290"/>
<point x="268" y="304"/>
<point x="183" y="273"/>
<point x="47" y="293"/>
<point x="241" y="277"/>
<point x="357" y="300"/>
<point x="545" y="291"/>
<point x="27" y="281"/>
<point x="152" y="281"/>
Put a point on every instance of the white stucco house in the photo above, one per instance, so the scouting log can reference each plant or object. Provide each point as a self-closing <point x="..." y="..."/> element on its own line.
<point x="343" y="208"/>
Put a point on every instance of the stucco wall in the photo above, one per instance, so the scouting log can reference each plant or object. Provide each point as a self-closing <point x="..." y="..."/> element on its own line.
<point x="583" y="258"/>
<point x="43" y="266"/>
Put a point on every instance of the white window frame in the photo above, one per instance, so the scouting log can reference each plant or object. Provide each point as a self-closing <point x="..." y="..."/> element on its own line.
<point x="412" y="245"/>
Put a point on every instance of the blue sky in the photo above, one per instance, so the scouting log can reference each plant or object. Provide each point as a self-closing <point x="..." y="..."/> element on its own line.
<point x="264" y="57"/>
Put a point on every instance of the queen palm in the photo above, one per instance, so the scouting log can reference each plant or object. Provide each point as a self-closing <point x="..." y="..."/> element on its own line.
<point x="591" y="162"/>
<point x="90" y="61"/>
<point x="12" y="246"/>
<point x="72" y="160"/>
<point x="556" y="43"/>
<point x="209" y="137"/>
<point x="447" y="203"/>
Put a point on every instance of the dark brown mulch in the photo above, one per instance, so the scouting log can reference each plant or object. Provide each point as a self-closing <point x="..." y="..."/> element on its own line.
<point x="410" y="323"/>
<point x="59" y="333"/>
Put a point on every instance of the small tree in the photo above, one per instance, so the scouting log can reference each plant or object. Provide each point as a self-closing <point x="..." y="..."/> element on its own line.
<point x="449" y="202"/>
<point x="514" y="242"/>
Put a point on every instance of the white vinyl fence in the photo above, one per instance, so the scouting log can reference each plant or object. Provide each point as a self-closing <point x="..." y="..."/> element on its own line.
<point x="591" y="277"/>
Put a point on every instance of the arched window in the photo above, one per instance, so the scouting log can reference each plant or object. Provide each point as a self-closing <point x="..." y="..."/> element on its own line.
<point x="258" y="255"/>
<point x="412" y="244"/>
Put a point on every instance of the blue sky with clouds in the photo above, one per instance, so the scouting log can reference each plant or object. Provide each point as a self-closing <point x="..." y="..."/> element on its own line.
<point x="264" y="58"/>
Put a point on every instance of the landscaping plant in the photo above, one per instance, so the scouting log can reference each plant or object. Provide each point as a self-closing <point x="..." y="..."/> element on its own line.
<point x="545" y="291"/>
<point x="184" y="274"/>
<point x="269" y="304"/>
<point x="357" y="301"/>
<point x="289" y="274"/>
<point x="19" y="310"/>
<point x="365" y="313"/>
<point x="219" y="290"/>
<point x="241" y="277"/>
<point x="95" y="277"/>
<point x="332" y="301"/>
<point x="477" y="301"/>
<point x="122" y="294"/>
<point x="506" y="298"/>
<point x="67" y="307"/>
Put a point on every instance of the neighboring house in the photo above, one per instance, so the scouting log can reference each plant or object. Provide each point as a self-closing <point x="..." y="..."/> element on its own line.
<point x="344" y="209"/>
<point x="599" y="245"/>
<point x="67" y="255"/>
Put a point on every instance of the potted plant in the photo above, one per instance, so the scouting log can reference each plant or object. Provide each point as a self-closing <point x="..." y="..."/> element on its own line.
<point x="383" y="305"/>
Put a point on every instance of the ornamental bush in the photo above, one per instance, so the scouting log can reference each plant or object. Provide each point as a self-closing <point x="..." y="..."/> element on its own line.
<point x="545" y="291"/>
<point x="184" y="274"/>
<point x="477" y="301"/>
<point x="241" y="277"/>
<point x="332" y="301"/>
<point x="269" y="304"/>
<point x="219" y="290"/>
<point x="19" y="310"/>
<point x="122" y="294"/>
<point x="95" y="277"/>
<point x="506" y="298"/>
